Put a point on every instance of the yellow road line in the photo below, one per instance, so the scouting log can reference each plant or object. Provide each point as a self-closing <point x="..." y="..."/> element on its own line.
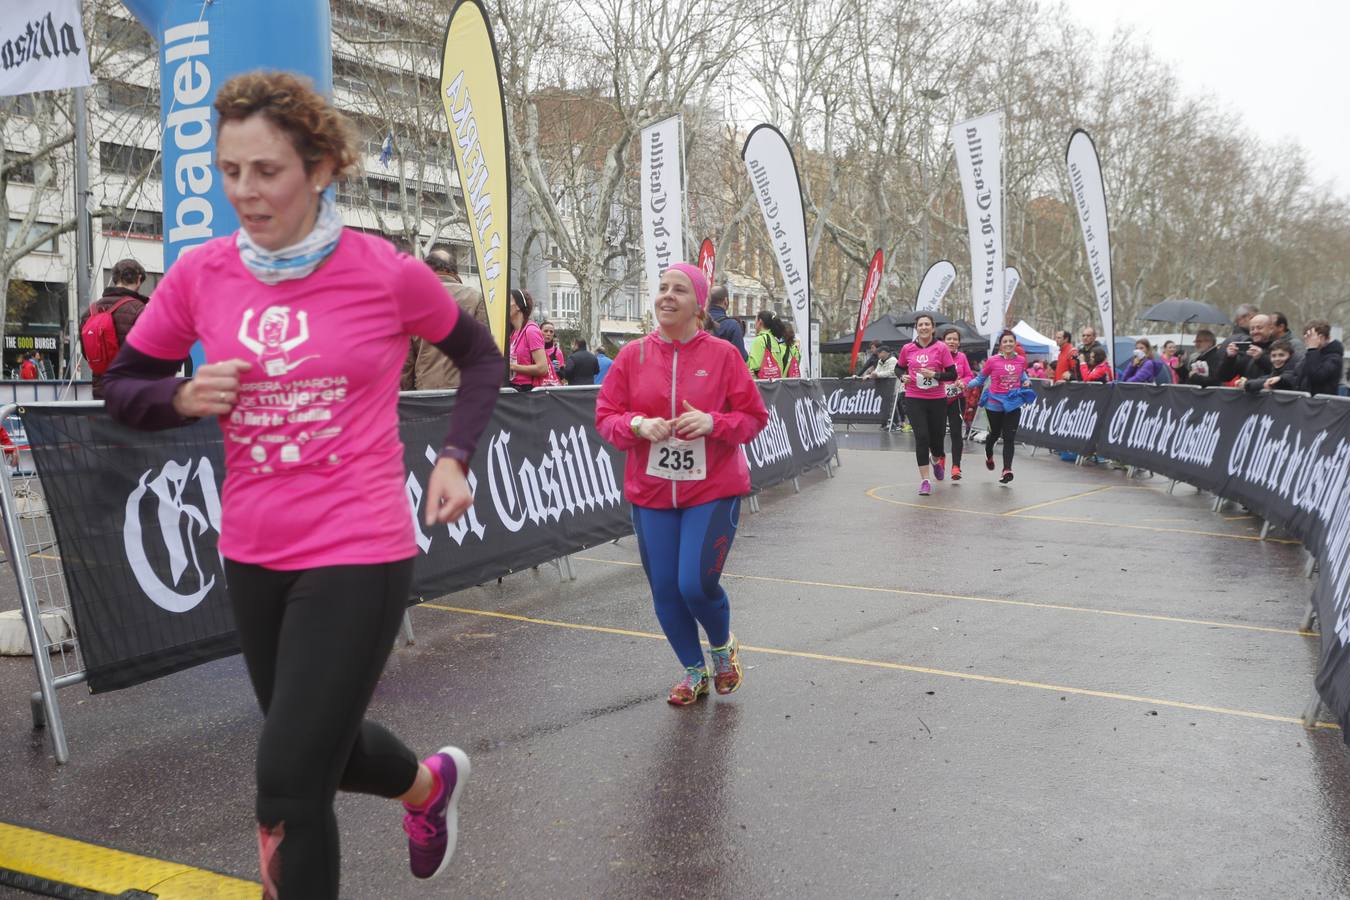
<point x="95" y="868"/>
<point x="1157" y="530"/>
<point x="1100" y="490"/>
<point x="1073" y="521"/>
<point x="903" y="667"/>
<point x="1059" y="607"/>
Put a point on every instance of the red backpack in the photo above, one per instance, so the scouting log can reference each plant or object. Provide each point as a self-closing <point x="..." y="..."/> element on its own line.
<point x="98" y="337"/>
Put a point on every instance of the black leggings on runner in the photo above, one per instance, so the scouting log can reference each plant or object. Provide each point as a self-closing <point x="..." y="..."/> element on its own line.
<point x="928" y="418"/>
<point x="956" y="424"/>
<point x="1002" y="424"/>
<point x="315" y="642"/>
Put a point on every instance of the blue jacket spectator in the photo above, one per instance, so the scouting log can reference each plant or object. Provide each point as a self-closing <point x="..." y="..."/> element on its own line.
<point x="1145" y="367"/>
<point x="604" y="362"/>
<point x="723" y="325"/>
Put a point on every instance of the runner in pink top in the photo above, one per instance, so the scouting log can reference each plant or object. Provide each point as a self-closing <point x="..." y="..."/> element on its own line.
<point x="1004" y="377"/>
<point x="927" y="364"/>
<point x="956" y="400"/>
<point x="306" y="325"/>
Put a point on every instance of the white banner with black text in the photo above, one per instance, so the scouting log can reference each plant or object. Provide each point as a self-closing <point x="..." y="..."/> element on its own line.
<point x="662" y="196"/>
<point x="773" y="177"/>
<point x="42" y="47"/>
<point x="979" y="160"/>
<point x="1089" y="199"/>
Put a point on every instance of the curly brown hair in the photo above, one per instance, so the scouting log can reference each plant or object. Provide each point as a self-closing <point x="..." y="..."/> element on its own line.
<point x="316" y="129"/>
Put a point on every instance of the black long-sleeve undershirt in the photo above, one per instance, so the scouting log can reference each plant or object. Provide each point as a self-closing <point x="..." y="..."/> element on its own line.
<point x="140" y="388"/>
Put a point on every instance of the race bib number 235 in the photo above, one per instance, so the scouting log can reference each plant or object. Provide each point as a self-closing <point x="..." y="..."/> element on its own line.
<point x="677" y="460"/>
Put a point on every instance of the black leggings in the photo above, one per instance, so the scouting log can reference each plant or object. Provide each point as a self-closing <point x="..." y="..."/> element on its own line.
<point x="928" y="418"/>
<point x="315" y="642"/>
<point x="1005" y="424"/>
<point x="956" y="424"/>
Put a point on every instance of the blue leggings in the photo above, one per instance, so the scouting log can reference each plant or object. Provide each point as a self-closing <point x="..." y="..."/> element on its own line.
<point x="683" y="551"/>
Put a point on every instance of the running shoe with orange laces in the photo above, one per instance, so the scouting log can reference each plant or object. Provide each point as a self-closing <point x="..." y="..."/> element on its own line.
<point x="727" y="666"/>
<point x="693" y="685"/>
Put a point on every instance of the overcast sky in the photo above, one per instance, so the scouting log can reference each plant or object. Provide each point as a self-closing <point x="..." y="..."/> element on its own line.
<point x="1281" y="64"/>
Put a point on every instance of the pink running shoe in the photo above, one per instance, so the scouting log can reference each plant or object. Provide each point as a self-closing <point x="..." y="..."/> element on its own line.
<point x="925" y="488"/>
<point x="434" y="827"/>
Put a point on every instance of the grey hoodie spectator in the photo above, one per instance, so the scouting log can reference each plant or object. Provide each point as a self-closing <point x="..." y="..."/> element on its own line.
<point x="1242" y="317"/>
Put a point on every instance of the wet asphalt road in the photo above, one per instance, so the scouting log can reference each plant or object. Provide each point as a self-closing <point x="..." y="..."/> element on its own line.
<point x="1077" y="685"/>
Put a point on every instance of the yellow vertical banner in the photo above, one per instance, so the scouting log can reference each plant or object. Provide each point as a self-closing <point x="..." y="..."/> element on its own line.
<point x="471" y="89"/>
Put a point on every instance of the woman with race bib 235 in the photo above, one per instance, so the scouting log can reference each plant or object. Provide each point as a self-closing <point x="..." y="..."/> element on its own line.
<point x="927" y="364"/>
<point x="681" y="402"/>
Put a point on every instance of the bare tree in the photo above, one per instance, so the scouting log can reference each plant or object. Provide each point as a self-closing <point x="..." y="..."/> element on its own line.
<point x="385" y="60"/>
<point x="583" y="79"/>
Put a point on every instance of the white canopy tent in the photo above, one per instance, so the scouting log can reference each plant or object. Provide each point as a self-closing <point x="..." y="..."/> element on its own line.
<point x="1032" y="340"/>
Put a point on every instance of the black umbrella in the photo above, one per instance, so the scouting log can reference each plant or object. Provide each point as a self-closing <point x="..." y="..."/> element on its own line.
<point x="1186" y="312"/>
<point x="907" y="318"/>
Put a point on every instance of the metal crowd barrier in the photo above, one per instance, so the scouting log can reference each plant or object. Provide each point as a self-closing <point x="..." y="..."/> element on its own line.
<point x="35" y="558"/>
<point x="44" y="391"/>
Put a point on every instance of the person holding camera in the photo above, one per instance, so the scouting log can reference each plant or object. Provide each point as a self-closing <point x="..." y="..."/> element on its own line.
<point x="1248" y="358"/>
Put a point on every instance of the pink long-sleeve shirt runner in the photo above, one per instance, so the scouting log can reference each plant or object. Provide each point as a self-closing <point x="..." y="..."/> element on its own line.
<point x="314" y="461"/>
<point x="653" y="378"/>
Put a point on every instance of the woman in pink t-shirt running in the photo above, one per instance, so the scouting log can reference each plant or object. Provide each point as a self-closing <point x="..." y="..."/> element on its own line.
<point x="927" y="365"/>
<point x="307" y="324"/>
<point x="956" y="401"/>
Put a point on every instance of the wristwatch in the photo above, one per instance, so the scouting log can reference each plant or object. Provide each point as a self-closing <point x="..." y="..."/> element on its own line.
<point x="636" y="423"/>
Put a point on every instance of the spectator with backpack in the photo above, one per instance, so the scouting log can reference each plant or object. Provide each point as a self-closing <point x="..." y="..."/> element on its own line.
<point x="1145" y="368"/>
<point x="105" y="324"/>
<point x="723" y="325"/>
<point x="767" y="352"/>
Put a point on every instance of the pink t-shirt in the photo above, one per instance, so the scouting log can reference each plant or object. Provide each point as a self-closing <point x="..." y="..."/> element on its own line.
<point x="964" y="373"/>
<point x="523" y="344"/>
<point x="314" y="463"/>
<point x="1004" y="374"/>
<point x="936" y="356"/>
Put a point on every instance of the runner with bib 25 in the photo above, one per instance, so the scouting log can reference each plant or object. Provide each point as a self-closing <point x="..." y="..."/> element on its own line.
<point x="927" y="364"/>
<point x="681" y="402"/>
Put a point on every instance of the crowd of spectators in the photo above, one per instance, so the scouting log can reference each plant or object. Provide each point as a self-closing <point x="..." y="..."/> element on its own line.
<point x="1261" y="353"/>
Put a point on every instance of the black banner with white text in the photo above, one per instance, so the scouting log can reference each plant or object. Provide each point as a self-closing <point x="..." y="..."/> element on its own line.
<point x="858" y="401"/>
<point x="137" y="514"/>
<point x="1284" y="456"/>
